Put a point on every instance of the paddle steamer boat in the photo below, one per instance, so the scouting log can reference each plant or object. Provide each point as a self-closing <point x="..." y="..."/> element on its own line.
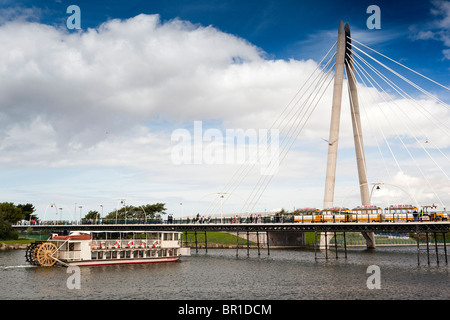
<point x="82" y="248"/>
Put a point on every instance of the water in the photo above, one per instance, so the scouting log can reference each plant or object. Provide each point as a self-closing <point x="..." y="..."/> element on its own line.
<point x="219" y="274"/>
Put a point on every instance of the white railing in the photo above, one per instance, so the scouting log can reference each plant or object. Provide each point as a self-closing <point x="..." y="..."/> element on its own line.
<point x="126" y="243"/>
<point x="69" y="255"/>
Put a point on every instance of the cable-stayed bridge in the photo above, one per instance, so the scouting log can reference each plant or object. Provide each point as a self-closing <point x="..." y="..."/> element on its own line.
<point x="404" y="123"/>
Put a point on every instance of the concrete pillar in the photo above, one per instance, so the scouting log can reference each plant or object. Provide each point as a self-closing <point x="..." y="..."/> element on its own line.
<point x="335" y="119"/>
<point x="357" y="135"/>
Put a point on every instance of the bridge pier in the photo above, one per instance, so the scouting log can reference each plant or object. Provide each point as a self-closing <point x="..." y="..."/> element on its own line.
<point x="445" y="248"/>
<point x="287" y="239"/>
<point x="260" y="239"/>
<point x="427" y="249"/>
<point x="274" y="238"/>
<point x="326" y="244"/>
<point x="370" y="239"/>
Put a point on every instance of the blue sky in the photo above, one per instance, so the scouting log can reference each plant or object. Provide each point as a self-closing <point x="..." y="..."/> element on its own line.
<point x="275" y="26"/>
<point x="89" y="149"/>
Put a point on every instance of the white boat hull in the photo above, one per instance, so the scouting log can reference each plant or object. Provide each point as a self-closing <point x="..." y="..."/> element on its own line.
<point x="121" y="261"/>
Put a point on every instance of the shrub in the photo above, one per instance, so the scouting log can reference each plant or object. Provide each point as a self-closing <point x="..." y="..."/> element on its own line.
<point x="7" y="232"/>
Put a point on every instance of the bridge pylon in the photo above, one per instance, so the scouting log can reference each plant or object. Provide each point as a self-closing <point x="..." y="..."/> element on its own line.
<point x="343" y="63"/>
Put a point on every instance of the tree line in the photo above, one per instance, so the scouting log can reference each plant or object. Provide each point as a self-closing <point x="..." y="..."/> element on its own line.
<point x="144" y="212"/>
<point x="11" y="214"/>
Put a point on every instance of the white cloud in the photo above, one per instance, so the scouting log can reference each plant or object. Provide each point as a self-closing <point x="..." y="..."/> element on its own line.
<point x="85" y="85"/>
<point x="439" y="28"/>
<point x="442" y="9"/>
<point x="18" y="13"/>
<point x="136" y="69"/>
<point x="425" y="35"/>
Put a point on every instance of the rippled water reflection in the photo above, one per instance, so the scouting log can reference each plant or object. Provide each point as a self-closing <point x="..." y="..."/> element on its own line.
<point x="219" y="274"/>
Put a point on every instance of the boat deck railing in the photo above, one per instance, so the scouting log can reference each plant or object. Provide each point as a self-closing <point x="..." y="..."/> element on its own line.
<point x="124" y="243"/>
<point x="70" y="255"/>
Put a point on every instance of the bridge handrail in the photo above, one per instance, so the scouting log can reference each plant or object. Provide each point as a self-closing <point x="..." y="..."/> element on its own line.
<point x="228" y="220"/>
<point x="215" y="220"/>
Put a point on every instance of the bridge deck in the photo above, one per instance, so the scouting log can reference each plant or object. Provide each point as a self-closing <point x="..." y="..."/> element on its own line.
<point x="402" y="227"/>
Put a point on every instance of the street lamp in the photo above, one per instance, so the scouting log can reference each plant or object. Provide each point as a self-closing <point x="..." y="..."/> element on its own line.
<point x="81" y="207"/>
<point x="122" y="201"/>
<point x="51" y="206"/>
<point x="125" y="206"/>
<point x="377" y="185"/>
<point x="56" y="210"/>
<point x="101" y="214"/>
<point x="221" y="207"/>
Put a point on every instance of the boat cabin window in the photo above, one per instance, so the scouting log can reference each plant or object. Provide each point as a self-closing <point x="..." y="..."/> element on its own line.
<point x="167" y="236"/>
<point x="153" y="235"/>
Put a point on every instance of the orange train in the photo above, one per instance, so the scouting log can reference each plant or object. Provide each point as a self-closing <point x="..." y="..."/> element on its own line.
<point x="367" y="214"/>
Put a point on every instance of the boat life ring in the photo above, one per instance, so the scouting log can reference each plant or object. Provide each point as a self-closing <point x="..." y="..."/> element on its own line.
<point x="117" y="244"/>
<point x="103" y="245"/>
<point x="143" y="244"/>
<point x="155" y="243"/>
<point x="130" y="244"/>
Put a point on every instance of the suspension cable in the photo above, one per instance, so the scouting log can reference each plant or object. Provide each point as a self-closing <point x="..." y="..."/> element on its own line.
<point x="400" y="64"/>
<point x="406" y="148"/>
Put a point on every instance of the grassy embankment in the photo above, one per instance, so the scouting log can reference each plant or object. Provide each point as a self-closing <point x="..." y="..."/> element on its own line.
<point x="24" y="239"/>
<point x="19" y="241"/>
<point x="213" y="238"/>
<point x="226" y="239"/>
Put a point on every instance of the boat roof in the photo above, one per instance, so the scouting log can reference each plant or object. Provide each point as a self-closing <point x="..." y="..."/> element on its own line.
<point x="117" y="231"/>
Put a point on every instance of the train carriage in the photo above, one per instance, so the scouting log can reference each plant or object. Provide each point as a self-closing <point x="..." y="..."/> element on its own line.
<point x="367" y="214"/>
<point x="335" y="214"/>
<point x="400" y="212"/>
<point x="308" y="215"/>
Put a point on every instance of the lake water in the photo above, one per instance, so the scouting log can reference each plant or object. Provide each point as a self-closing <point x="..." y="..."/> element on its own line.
<point x="219" y="274"/>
